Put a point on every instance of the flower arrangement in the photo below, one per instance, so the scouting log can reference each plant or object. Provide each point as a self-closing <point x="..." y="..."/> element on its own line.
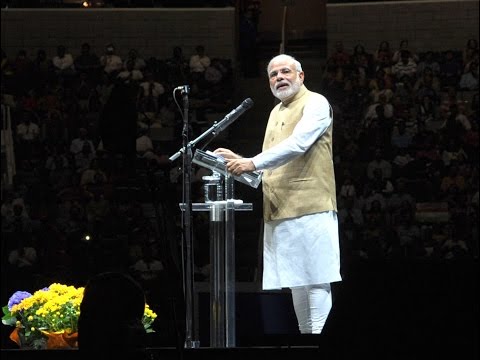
<point x="48" y="318"/>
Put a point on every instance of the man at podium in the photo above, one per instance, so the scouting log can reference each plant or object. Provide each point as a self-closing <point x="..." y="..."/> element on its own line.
<point x="301" y="246"/>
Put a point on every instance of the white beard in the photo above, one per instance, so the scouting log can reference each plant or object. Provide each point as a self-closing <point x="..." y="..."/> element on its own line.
<point x="288" y="92"/>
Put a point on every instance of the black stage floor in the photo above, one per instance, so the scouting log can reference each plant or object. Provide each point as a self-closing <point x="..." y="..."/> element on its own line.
<point x="377" y="351"/>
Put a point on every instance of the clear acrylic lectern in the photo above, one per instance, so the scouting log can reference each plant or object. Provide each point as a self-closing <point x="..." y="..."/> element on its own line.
<point x="221" y="204"/>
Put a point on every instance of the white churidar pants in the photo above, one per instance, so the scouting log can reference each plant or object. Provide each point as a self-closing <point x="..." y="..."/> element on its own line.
<point x="312" y="305"/>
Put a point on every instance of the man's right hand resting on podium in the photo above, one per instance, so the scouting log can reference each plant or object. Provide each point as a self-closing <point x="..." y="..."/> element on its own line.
<point x="236" y="164"/>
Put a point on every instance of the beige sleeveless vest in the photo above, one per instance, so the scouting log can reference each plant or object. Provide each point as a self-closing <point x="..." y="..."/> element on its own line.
<point x="305" y="185"/>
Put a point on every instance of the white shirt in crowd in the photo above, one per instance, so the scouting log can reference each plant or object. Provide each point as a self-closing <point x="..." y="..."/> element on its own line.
<point x="111" y="63"/>
<point x="143" y="143"/>
<point x="156" y="88"/>
<point x="199" y="63"/>
<point x="29" y="131"/>
<point x="62" y="63"/>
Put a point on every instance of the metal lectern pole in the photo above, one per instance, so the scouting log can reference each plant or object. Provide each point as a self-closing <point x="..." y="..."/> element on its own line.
<point x="230" y="290"/>
<point x="217" y="275"/>
<point x="222" y="276"/>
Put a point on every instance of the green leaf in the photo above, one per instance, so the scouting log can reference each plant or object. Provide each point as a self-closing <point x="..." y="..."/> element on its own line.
<point x="8" y="318"/>
<point x="10" y="321"/>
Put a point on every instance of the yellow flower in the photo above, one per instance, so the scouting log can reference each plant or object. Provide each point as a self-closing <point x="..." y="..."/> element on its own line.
<point x="56" y="309"/>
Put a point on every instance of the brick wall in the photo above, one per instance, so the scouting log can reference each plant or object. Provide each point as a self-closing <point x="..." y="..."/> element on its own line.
<point x="435" y="25"/>
<point x="153" y="32"/>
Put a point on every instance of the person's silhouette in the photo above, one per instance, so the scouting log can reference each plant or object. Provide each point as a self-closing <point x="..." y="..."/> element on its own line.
<point x="110" y="320"/>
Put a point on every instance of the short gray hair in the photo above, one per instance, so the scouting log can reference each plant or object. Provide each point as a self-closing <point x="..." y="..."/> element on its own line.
<point x="281" y="57"/>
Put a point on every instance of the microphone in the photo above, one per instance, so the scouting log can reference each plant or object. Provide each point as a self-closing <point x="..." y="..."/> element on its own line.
<point x="217" y="127"/>
<point x="184" y="88"/>
<point x="234" y="114"/>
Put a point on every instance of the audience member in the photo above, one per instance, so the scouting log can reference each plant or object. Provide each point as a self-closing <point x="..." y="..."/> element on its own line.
<point x="450" y="70"/>
<point x="150" y="96"/>
<point x="18" y="221"/>
<point x="471" y="48"/>
<point x="339" y="57"/>
<point x="6" y="66"/>
<point x="111" y="62"/>
<point x="22" y="68"/>
<point x="42" y="68"/>
<point x="452" y="179"/>
<point x="401" y="138"/>
<point x="407" y="232"/>
<point x="348" y="189"/>
<point x="404" y="46"/>
<point x="379" y="163"/>
<point x="428" y="62"/>
<point x="383" y="56"/>
<point x="93" y="174"/>
<point x="426" y="110"/>
<point x="80" y="92"/>
<point x="119" y="301"/>
<point x="361" y="61"/>
<point x="78" y="144"/>
<point x="454" y="247"/>
<point x="400" y="198"/>
<point x="199" y="62"/>
<point x="427" y="85"/>
<point x="23" y="261"/>
<point x="27" y="135"/>
<point x="87" y="62"/>
<point x="63" y="63"/>
<point x="406" y="66"/>
<point x="469" y="79"/>
<point x="148" y="269"/>
<point x="178" y="68"/>
<point x="24" y="256"/>
<point x="138" y="62"/>
<point x="129" y="74"/>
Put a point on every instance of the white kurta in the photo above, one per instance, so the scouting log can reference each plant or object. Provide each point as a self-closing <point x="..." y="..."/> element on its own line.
<point x="304" y="250"/>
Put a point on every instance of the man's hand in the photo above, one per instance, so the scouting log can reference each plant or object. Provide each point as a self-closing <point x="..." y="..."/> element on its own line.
<point x="227" y="153"/>
<point x="235" y="164"/>
<point x="240" y="166"/>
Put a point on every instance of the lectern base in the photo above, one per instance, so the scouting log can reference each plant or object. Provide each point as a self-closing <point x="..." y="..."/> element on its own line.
<point x="192" y="344"/>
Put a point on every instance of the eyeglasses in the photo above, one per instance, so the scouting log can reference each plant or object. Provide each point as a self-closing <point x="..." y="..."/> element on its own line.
<point x="284" y="71"/>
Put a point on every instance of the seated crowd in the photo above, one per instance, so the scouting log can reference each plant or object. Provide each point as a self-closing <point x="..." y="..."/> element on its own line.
<point x="406" y="150"/>
<point x="93" y="189"/>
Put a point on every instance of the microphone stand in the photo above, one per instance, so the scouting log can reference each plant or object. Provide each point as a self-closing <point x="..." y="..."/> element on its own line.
<point x="214" y="130"/>
<point x="187" y="257"/>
